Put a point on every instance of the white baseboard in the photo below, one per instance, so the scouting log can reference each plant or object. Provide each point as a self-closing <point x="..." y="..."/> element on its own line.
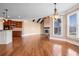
<point x="5" y="42"/>
<point x="63" y="39"/>
<point x="10" y="41"/>
<point x="31" y="34"/>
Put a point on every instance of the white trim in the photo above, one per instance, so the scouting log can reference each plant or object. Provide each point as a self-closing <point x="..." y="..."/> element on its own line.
<point x="62" y="30"/>
<point x="9" y="41"/>
<point x="53" y="27"/>
<point x="68" y="25"/>
<point x="6" y="42"/>
<point x="78" y="25"/>
<point x="66" y="40"/>
<point x="3" y="43"/>
<point x="31" y="34"/>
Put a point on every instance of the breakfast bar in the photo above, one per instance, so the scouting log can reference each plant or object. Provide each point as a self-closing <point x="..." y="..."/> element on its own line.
<point x="5" y="36"/>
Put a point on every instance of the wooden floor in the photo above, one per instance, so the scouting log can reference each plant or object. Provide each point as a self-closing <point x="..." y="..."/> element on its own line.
<point x="38" y="45"/>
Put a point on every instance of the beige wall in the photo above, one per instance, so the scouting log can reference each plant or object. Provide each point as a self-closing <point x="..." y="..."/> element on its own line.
<point x="31" y="28"/>
<point x="65" y="26"/>
<point x="51" y="27"/>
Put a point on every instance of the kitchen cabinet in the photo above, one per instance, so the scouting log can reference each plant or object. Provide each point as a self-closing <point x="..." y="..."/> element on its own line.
<point x="17" y="30"/>
<point x="5" y="36"/>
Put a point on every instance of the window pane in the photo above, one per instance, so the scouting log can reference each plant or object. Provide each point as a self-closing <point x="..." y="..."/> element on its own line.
<point x="57" y="27"/>
<point x="72" y="25"/>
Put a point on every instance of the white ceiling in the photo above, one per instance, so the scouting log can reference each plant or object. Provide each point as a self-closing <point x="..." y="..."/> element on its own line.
<point x="30" y="10"/>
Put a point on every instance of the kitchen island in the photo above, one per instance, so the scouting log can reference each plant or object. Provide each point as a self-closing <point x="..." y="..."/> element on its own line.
<point x="5" y="36"/>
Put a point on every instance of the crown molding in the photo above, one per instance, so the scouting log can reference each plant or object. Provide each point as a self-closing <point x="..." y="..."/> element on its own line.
<point x="72" y="9"/>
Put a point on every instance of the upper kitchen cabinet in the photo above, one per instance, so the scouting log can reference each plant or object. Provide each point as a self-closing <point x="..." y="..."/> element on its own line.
<point x="8" y="25"/>
<point x="18" y="24"/>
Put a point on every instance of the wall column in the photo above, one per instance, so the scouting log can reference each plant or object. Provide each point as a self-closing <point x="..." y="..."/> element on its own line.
<point x="65" y="26"/>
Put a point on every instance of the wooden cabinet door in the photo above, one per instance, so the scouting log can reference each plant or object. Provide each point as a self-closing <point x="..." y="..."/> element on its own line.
<point x="18" y="24"/>
<point x="17" y="33"/>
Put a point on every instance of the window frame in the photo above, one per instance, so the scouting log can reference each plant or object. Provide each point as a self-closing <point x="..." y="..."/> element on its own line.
<point x="61" y="17"/>
<point x="77" y="25"/>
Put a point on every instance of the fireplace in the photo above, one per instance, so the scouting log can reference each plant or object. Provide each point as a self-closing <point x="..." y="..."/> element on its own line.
<point x="46" y="30"/>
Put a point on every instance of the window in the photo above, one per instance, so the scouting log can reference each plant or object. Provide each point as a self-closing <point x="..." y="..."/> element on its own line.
<point x="72" y="25"/>
<point x="58" y="27"/>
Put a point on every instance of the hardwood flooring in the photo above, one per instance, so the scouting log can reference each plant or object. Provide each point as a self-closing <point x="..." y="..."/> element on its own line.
<point x="38" y="45"/>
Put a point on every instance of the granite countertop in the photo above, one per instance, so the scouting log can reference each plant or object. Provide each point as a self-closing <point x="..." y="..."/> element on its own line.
<point x="17" y="29"/>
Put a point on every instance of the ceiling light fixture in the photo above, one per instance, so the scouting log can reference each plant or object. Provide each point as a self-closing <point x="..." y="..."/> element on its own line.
<point x="6" y="10"/>
<point x="55" y="15"/>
